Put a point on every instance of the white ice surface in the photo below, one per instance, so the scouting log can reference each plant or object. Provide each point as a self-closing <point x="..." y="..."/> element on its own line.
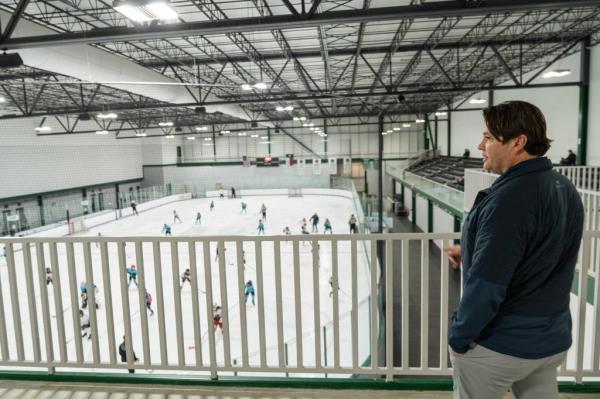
<point x="227" y="220"/>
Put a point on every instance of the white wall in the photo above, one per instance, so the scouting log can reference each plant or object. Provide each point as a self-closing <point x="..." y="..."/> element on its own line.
<point x="34" y="164"/>
<point x="203" y="178"/>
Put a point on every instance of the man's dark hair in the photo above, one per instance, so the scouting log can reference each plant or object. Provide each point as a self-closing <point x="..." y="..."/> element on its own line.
<point x="510" y="119"/>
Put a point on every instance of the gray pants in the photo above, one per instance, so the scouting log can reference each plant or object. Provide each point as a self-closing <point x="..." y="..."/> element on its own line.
<point x="482" y="373"/>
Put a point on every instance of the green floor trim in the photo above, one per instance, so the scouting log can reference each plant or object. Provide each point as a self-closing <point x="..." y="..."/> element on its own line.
<point x="590" y="287"/>
<point x="401" y="384"/>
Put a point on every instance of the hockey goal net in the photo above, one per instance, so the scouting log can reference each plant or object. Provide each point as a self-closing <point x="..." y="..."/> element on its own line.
<point x="294" y="192"/>
<point x="77" y="225"/>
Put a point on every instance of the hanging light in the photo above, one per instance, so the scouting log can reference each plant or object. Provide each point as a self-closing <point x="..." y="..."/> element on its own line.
<point x="207" y="139"/>
<point x="406" y="125"/>
<point x="396" y="128"/>
<point x="107" y="115"/>
<point x="478" y="100"/>
<point x="145" y="10"/>
<point x="164" y="124"/>
<point x="260" y="86"/>
<point x="280" y="108"/>
<point x="419" y="120"/>
<point x="201" y="128"/>
<point x="191" y="138"/>
<point x="246" y="87"/>
<point x="556" y="73"/>
<point x="169" y="136"/>
<point x="140" y="134"/>
<point x="43" y="129"/>
<point x="101" y="132"/>
<point x="440" y="113"/>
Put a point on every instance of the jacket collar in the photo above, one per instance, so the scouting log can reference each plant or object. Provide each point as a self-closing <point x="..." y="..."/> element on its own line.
<point x="533" y="165"/>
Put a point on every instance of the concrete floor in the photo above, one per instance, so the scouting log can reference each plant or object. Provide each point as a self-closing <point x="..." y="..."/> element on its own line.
<point x="43" y="390"/>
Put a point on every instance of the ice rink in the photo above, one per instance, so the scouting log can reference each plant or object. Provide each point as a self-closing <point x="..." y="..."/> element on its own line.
<point x="228" y="278"/>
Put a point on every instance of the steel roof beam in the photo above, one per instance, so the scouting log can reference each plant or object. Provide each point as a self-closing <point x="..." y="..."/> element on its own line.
<point x="252" y="24"/>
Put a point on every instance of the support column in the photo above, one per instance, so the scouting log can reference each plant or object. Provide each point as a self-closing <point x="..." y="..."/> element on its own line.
<point x="40" y="201"/>
<point x="269" y="140"/>
<point x="214" y="140"/>
<point x="449" y="132"/>
<point x="118" y="200"/>
<point x="584" y="98"/>
<point x="429" y="216"/>
<point x="380" y="174"/>
<point x="414" y="207"/>
<point x="326" y="137"/>
<point x="435" y="131"/>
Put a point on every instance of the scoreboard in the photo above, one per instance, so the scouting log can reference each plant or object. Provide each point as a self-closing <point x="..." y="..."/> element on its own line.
<point x="267" y="161"/>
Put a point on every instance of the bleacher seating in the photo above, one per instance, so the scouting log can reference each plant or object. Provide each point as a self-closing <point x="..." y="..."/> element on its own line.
<point x="446" y="170"/>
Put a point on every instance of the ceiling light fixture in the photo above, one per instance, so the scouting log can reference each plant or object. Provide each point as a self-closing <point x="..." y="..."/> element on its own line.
<point x="383" y="133"/>
<point x="260" y="86"/>
<point x="225" y="131"/>
<point x="556" y="73"/>
<point x="440" y="113"/>
<point x="207" y="139"/>
<point x="477" y="100"/>
<point x="43" y="129"/>
<point x="264" y="137"/>
<point x="242" y="134"/>
<point x="406" y="125"/>
<point x="254" y="135"/>
<point x="141" y="134"/>
<point x="201" y="128"/>
<point x="191" y="138"/>
<point x="419" y="120"/>
<point x="108" y="115"/>
<point x="246" y="87"/>
<point x="280" y="108"/>
<point x="2" y="100"/>
<point x="396" y="128"/>
<point x="145" y="10"/>
<point x="101" y="131"/>
<point x="169" y="136"/>
<point x="163" y="124"/>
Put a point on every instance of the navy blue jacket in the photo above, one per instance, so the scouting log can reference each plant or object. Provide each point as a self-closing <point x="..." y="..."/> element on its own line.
<point x="519" y="248"/>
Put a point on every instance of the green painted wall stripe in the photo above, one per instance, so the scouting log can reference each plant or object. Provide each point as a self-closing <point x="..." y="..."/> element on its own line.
<point x="65" y="190"/>
<point x="412" y="384"/>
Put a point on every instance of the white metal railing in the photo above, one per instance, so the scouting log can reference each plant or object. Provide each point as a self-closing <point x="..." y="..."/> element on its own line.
<point x="584" y="177"/>
<point x="301" y="323"/>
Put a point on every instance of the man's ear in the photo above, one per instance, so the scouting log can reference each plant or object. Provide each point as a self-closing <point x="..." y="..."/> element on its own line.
<point x="520" y="142"/>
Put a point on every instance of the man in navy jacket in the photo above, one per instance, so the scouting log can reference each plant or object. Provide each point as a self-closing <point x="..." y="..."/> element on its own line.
<point x="518" y="250"/>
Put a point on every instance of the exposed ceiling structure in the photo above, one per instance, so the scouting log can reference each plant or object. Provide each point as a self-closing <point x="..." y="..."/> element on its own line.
<point x="328" y="59"/>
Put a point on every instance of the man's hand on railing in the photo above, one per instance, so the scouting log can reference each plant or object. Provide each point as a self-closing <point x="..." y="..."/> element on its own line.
<point x="453" y="253"/>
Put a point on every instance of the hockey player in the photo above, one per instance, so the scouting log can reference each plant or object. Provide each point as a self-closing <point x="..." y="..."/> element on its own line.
<point x="123" y="354"/>
<point x="286" y="231"/>
<point x="217" y="253"/>
<point x="134" y="208"/>
<point x="217" y="317"/>
<point x="352" y="223"/>
<point x="49" y="276"/>
<point x="84" y="323"/>
<point x="315" y="222"/>
<point x="327" y="226"/>
<point x="263" y="211"/>
<point x="176" y="217"/>
<point x="232" y="192"/>
<point x="244" y="206"/>
<point x="261" y="227"/>
<point x="132" y="272"/>
<point x="304" y="229"/>
<point x="186" y="276"/>
<point x="212" y="205"/>
<point x="331" y="284"/>
<point x="198" y="218"/>
<point x="249" y="291"/>
<point x="166" y="229"/>
<point x="148" y="299"/>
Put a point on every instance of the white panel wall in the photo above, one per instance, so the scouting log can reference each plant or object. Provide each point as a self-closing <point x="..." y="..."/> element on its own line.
<point x="422" y="214"/>
<point x="443" y="222"/>
<point x="33" y="164"/>
<point x="202" y="178"/>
